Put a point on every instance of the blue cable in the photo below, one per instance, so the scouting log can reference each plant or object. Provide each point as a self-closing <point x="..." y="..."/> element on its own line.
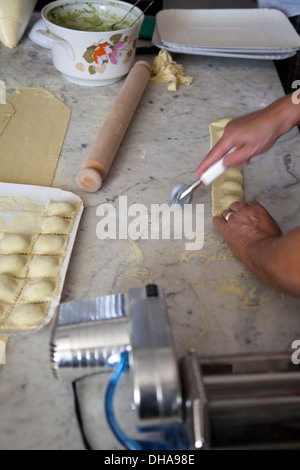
<point x="121" y="367"/>
<point x="174" y="435"/>
<point x="126" y="442"/>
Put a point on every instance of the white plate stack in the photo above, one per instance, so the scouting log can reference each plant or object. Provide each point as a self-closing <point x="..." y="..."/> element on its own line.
<point x="242" y="33"/>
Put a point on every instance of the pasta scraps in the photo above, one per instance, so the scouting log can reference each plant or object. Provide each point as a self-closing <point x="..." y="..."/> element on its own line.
<point x="166" y="70"/>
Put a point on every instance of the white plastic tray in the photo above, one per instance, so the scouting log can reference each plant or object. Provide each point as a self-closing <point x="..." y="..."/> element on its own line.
<point x="219" y="52"/>
<point x="40" y="195"/>
<point x="252" y="29"/>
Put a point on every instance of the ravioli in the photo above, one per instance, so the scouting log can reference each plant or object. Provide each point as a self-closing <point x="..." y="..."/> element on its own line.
<point x="56" y="225"/>
<point x="61" y="208"/>
<point x="228" y="188"/>
<point x="31" y="260"/>
<point x="13" y="264"/>
<point x="27" y="316"/>
<point x="44" y="266"/>
<point x="9" y="288"/>
<point x="50" y="244"/>
<point x="15" y="243"/>
<point x="5" y="309"/>
<point x="39" y="290"/>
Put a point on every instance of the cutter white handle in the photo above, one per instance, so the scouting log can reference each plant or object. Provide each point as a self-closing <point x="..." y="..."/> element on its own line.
<point x="215" y="170"/>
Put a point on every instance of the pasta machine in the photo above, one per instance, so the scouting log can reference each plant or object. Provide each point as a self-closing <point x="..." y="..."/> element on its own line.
<point x="189" y="403"/>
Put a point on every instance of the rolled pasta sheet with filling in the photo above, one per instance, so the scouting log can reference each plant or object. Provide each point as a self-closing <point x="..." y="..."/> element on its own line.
<point x="228" y="187"/>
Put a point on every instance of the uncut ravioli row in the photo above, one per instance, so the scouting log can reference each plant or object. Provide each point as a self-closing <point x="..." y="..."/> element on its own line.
<point x="226" y="189"/>
<point x="30" y="265"/>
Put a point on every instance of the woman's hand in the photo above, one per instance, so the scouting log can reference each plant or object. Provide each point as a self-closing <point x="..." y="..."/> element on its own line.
<point x="253" y="134"/>
<point x="256" y="240"/>
<point x="247" y="224"/>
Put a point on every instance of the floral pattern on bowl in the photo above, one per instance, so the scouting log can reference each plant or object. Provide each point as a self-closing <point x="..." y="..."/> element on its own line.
<point x="98" y="55"/>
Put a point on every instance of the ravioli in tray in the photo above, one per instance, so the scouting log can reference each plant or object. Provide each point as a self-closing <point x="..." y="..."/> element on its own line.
<point x="38" y="227"/>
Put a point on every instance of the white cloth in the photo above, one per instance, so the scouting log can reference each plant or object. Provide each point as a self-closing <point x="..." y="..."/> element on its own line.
<point x="289" y="7"/>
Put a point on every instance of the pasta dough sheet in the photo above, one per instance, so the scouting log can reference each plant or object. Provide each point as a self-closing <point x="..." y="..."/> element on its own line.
<point x="33" y="124"/>
<point x="6" y="112"/>
<point x="228" y="187"/>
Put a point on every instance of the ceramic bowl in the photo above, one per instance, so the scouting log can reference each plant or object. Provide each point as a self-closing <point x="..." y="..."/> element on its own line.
<point x="83" y="47"/>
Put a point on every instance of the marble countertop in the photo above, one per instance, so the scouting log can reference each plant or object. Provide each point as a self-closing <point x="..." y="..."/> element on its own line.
<point x="214" y="304"/>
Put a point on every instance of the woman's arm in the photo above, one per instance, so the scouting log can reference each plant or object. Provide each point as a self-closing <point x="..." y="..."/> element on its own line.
<point x="253" y="134"/>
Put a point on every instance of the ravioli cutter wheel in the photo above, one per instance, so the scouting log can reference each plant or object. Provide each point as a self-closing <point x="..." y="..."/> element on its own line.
<point x="183" y="193"/>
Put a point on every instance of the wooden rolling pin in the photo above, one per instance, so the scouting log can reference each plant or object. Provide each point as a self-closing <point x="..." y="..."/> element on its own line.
<point x="104" y="148"/>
